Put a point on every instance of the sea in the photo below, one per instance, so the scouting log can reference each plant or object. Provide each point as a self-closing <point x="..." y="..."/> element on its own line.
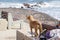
<point x="52" y="8"/>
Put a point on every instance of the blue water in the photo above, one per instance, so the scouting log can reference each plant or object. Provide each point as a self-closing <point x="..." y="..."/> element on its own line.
<point x="52" y="11"/>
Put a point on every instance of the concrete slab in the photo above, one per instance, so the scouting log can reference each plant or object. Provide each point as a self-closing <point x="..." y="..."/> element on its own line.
<point x="3" y="24"/>
<point x="8" y="35"/>
<point x="25" y="34"/>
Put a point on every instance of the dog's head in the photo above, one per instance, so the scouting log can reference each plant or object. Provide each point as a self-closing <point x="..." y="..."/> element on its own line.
<point x="30" y="18"/>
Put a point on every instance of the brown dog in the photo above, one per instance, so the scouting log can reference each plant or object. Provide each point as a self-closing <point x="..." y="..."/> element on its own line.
<point x="34" y="24"/>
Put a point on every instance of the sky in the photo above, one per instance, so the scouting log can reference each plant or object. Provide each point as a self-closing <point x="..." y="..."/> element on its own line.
<point x="24" y="0"/>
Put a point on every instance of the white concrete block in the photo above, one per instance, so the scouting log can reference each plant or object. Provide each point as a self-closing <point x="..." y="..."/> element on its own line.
<point x="3" y="24"/>
<point x="25" y="34"/>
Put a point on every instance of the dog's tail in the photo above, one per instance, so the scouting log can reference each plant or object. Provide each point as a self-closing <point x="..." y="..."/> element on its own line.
<point x="40" y="28"/>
